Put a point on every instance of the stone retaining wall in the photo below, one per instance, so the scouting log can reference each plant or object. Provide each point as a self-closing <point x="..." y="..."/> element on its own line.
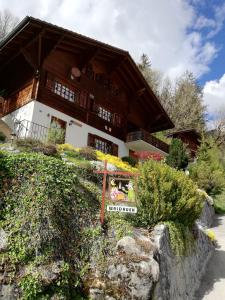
<point x="144" y="267"/>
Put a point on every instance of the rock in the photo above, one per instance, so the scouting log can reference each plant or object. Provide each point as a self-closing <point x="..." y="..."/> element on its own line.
<point x="3" y="240"/>
<point x="48" y="273"/>
<point x="207" y="215"/>
<point x="144" y="266"/>
<point x="7" y="292"/>
<point x="180" y="276"/>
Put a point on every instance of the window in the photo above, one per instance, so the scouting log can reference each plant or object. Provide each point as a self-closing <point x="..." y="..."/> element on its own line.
<point x="105" y="114"/>
<point x="103" y="145"/>
<point x="65" y="92"/>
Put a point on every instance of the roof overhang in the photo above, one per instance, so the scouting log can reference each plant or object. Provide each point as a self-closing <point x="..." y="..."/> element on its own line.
<point x="30" y="29"/>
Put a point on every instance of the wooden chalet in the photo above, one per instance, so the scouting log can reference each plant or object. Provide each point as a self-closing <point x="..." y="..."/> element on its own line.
<point x="190" y="137"/>
<point x="55" y="77"/>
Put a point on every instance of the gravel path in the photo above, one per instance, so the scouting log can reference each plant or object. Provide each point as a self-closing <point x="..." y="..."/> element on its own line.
<point x="213" y="283"/>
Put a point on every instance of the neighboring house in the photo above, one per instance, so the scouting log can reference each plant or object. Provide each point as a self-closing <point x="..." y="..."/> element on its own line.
<point x="55" y="77"/>
<point x="190" y="137"/>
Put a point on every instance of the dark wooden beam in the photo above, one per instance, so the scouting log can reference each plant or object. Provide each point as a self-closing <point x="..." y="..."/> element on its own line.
<point x="24" y="47"/>
<point x="88" y="57"/>
<point x="117" y="65"/>
<point x="55" y="45"/>
<point x="141" y="92"/>
<point x="29" y="58"/>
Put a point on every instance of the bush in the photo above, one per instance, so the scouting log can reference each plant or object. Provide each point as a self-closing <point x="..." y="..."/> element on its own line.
<point x="116" y="161"/>
<point x="49" y="150"/>
<point x="87" y="153"/>
<point x="208" y="171"/>
<point x="28" y="143"/>
<point x="177" y="157"/>
<point x="130" y="160"/>
<point x="2" y="137"/>
<point x="56" y="136"/>
<point x="165" y="194"/>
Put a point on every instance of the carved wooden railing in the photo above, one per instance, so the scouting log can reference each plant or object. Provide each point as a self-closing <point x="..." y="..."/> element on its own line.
<point x="1" y="106"/>
<point x="148" y="138"/>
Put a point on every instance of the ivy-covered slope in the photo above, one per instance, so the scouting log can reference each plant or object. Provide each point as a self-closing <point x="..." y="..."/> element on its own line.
<point x="46" y="212"/>
<point x="53" y="244"/>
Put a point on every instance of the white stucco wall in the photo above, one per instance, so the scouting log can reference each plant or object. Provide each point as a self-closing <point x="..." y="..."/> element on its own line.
<point x="77" y="133"/>
<point x="23" y="113"/>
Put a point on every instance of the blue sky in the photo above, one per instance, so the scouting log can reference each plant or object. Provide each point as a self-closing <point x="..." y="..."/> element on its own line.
<point x="177" y="35"/>
<point x="208" y="9"/>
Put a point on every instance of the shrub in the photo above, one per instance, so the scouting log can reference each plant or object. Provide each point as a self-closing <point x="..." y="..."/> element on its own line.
<point x="165" y="194"/>
<point x="208" y="171"/>
<point x="49" y="150"/>
<point x="87" y="153"/>
<point x="116" y="161"/>
<point x="28" y="143"/>
<point x="177" y="157"/>
<point x="130" y="160"/>
<point x="56" y="136"/>
<point x="2" y="137"/>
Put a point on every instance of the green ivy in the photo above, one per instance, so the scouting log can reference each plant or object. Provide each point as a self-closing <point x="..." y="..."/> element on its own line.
<point x="181" y="238"/>
<point x="46" y="212"/>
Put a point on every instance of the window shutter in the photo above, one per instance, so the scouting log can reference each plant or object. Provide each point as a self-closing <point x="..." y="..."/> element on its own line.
<point x="115" y="149"/>
<point x="91" y="140"/>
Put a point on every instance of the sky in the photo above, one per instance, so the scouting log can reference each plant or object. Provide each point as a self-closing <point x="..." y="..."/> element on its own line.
<point x="177" y="35"/>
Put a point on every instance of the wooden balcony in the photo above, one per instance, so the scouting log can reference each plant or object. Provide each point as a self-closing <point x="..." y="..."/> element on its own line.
<point x="142" y="140"/>
<point x="1" y="106"/>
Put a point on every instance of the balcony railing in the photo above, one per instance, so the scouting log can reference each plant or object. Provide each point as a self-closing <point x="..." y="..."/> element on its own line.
<point x="148" y="138"/>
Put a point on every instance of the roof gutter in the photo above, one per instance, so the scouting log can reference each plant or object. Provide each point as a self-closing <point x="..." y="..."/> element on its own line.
<point x="14" y="32"/>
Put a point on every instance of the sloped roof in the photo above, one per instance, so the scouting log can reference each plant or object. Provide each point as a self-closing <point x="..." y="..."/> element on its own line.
<point x="30" y="28"/>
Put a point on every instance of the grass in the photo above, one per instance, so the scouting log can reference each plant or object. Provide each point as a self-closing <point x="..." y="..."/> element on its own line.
<point x="219" y="203"/>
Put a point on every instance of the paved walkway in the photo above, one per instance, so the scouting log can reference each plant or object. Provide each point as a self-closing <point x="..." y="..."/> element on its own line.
<point x="213" y="283"/>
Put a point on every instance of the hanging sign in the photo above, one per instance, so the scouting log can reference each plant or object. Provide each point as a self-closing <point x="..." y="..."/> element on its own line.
<point x="120" y="192"/>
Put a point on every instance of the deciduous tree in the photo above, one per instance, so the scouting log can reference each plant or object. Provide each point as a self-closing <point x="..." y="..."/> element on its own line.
<point x="7" y="22"/>
<point x="182" y="99"/>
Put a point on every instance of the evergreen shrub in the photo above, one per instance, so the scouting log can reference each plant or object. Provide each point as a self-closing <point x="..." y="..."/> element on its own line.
<point x="208" y="171"/>
<point x="130" y="160"/>
<point x="177" y="157"/>
<point x="165" y="194"/>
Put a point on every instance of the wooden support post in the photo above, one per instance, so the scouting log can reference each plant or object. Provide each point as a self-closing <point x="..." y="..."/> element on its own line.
<point x="103" y="193"/>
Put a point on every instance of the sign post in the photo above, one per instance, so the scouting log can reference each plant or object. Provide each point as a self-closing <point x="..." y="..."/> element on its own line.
<point x="113" y="208"/>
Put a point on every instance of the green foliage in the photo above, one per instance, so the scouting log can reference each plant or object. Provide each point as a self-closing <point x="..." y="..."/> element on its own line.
<point x="27" y="143"/>
<point x="130" y="160"/>
<point x="181" y="238"/>
<point x="183" y="101"/>
<point x="177" y="157"/>
<point x="33" y="145"/>
<point x="88" y="153"/>
<point x="208" y="171"/>
<point x="165" y="194"/>
<point x="56" y="136"/>
<point x="45" y="213"/>
<point x="30" y="286"/>
<point x="2" y="137"/>
<point x="219" y="203"/>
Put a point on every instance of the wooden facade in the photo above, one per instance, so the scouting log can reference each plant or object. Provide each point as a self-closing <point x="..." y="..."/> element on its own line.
<point x="90" y="81"/>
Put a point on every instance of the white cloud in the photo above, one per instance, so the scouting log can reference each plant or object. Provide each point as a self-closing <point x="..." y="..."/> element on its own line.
<point x="214" y="95"/>
<point x="219" y="19"/>
<point x="161" y="29"/>
<point x="203" y="22"/>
